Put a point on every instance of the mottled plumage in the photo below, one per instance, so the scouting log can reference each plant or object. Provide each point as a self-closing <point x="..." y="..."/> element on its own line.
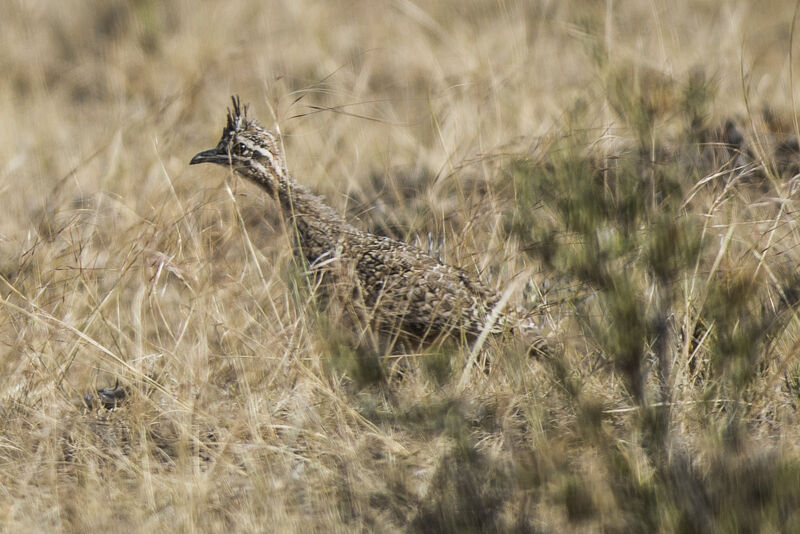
<point x="398" y="289"/>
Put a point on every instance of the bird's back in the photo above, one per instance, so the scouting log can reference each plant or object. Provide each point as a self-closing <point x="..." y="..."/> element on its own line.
<point x="413" y="294"/>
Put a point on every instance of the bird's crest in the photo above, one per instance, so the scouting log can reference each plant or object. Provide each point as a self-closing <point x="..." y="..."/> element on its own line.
<point x="237" y="117"/>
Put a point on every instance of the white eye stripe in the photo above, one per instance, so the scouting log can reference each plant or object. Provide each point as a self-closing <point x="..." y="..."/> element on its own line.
<point x="269" y="157"/>
<point x="274" y="162"/>
<point x="259" y="167"/>
<point x="249" y="145"/>
<point x="261" y="152"/>
<point x="277" y="166"/>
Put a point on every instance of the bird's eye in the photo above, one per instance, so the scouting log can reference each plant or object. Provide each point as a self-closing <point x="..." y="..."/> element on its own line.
<point x="242" y="150"/>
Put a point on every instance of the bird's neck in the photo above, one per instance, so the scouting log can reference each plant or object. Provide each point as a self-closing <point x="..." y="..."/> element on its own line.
<point x="318" y="230"/>
<point x="297" y="201"/>
<point x="318" y="227"/>
<point x="294" y="199"/>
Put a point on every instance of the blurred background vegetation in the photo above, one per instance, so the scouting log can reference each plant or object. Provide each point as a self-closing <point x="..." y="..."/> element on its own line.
<point x="630" y="166"/>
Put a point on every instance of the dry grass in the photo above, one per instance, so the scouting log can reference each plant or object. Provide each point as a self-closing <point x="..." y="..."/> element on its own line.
<point x="567" y="144"/>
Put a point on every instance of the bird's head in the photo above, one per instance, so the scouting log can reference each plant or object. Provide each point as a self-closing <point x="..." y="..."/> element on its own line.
<point x="247" y="148"/>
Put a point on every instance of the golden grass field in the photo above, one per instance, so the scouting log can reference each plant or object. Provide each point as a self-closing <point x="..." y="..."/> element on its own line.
<point x="576" y="151"/>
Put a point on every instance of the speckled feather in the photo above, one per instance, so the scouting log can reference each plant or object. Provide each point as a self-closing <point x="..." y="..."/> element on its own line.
<point x="399" y="288"/>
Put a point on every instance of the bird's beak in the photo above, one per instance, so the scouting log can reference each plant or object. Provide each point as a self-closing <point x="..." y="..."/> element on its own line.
<point x="208" y="156"/>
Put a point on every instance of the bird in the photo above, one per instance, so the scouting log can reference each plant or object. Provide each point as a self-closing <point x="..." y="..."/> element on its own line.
<point x="401" y="292"/>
